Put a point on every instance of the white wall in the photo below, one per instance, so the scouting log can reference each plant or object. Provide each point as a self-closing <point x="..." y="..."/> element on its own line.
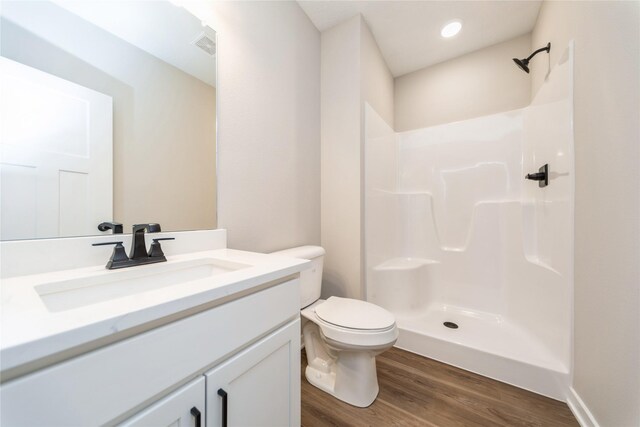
<point x="353" y="72"/>
<point x="341" y="166"/>
<point x="376" y="79"/>
<point x="476" y="84"/>
<point x="607" y="201"/>
<point x="269" y="124"/>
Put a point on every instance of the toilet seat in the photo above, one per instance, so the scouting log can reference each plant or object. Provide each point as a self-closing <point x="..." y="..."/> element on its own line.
<point x="379" y="327"/>
<point x="354" y="314"/>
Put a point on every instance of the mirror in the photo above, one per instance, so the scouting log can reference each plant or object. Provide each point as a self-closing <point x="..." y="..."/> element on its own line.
<point x="108" y="113"/>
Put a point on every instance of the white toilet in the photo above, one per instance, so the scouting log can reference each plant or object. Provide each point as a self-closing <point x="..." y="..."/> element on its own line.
<point x="342" y="336"/>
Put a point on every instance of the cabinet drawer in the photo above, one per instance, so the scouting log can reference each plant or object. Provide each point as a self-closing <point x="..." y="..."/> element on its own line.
<point x="108" y="384"/>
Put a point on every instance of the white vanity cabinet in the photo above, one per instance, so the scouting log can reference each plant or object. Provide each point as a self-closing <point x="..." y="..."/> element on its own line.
<point x="246" y="344"/>
<point x="255" y="387"/>
<point x="252" y="388"/>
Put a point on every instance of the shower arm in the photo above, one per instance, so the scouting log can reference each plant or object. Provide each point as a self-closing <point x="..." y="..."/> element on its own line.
<point x="547" y="48"/>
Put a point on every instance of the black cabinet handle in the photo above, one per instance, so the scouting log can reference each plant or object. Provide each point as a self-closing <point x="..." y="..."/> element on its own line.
<point x="197" y="415"/>
<point x="223" y="394"/>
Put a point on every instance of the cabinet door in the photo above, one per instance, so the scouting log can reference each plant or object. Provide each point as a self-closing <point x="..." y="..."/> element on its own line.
<point x="261" y="383"/>
<point x="182" y="408"/>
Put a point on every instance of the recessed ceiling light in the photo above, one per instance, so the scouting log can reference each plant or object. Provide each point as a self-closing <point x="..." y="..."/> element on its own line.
<point x="451" y="29"/>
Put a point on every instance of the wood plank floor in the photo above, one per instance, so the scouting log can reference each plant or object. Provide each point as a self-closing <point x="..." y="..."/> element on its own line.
<point x="416" y="391"/>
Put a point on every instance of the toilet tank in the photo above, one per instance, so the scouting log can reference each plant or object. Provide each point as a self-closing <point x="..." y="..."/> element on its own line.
<point x="311" y="278"/>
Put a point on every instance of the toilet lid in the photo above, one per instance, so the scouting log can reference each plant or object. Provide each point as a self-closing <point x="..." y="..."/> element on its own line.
<point x="354" y="314"/>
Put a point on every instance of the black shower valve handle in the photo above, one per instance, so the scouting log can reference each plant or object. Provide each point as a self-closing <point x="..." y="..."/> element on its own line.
<point x="542" y="176"/>
<point x="538" y="176"/>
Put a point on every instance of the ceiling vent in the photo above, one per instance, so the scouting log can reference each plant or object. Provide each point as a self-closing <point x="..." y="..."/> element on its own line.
<point x="206" y="43"/>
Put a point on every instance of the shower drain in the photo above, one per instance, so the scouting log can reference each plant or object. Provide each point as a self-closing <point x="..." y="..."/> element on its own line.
<point x="451" y="325"/>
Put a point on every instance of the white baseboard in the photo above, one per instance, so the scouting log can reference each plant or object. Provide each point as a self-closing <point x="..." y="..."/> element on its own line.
<point x="580" y="411"/>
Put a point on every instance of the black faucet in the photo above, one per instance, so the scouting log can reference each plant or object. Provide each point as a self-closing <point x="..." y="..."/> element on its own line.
<point x="138" y="245"/>
<point x="139" y="254"/>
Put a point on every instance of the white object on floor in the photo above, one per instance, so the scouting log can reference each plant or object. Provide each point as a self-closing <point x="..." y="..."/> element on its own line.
<point x="342" y="336"/>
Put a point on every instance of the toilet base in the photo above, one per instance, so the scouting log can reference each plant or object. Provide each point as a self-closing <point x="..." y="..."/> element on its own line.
<point x="347" y="373"/>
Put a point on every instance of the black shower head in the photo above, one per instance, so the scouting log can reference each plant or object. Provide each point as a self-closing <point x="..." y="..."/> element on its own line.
<point x="524" y="63"/>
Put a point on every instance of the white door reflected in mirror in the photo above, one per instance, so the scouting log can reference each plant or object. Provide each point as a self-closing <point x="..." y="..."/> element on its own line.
<point x="56" y="157"/>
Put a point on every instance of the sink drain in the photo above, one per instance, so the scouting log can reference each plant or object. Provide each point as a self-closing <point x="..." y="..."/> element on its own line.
<point x="451" y="325"/>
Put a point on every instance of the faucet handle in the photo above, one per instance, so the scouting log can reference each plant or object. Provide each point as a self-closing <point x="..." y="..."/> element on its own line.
<point x="106" y="243"/>
<point x="156" y="249"/>
<point x="118" y="256"/>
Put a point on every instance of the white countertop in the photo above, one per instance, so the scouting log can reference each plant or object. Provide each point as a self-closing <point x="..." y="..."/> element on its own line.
<point x="30" y="332"/>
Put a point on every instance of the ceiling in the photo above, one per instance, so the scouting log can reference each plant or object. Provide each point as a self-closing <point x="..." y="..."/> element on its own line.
<point x="161" y="28"/>
<point x="408" y="32"/>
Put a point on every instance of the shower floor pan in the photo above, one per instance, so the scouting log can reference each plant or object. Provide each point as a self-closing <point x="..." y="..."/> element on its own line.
<point x="485" y="344"/>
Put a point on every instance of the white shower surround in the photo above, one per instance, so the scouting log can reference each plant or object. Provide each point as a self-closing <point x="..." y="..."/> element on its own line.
<point x="453" y="232"/>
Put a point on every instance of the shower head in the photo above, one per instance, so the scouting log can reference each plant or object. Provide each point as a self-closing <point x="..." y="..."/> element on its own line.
<point x="524" y="63"/>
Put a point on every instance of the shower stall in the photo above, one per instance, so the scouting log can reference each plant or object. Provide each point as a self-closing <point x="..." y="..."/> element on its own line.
<point x="476" y="262"/>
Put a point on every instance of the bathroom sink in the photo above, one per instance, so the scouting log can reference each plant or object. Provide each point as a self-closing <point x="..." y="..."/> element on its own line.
<point x="107" y="285"/>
